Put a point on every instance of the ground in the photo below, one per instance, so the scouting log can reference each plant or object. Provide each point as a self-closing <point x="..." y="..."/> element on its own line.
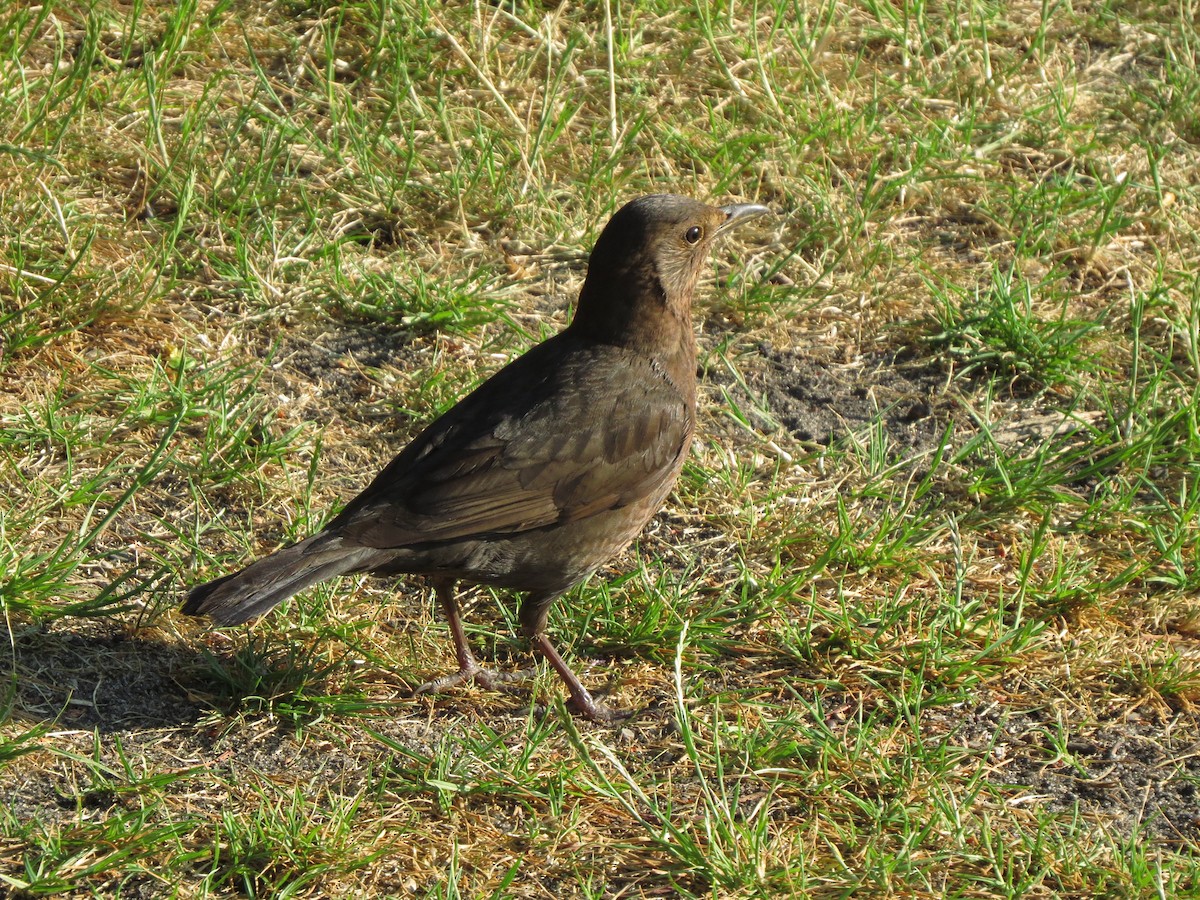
<point x="920" y="618"/>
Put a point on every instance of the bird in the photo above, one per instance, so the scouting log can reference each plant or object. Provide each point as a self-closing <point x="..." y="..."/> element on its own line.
<point x="547" y="469"/>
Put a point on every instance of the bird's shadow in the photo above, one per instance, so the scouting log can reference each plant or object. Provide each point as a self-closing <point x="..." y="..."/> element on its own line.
<point x="97" y="674"/>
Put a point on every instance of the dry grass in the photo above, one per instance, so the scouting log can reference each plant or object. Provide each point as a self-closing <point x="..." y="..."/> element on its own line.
<point x="921" y="617"/>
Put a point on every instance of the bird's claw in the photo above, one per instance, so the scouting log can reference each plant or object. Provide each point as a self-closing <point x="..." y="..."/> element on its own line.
<point x="596" y="711"/>
<point x="476" y="674"/>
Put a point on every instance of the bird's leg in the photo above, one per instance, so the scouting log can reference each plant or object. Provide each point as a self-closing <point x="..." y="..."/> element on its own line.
<point x="468" y="668"/>
<point x="533" y="622"/>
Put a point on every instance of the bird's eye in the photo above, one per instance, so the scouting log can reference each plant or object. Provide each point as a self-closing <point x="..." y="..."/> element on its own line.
<point x="693" y="234"/>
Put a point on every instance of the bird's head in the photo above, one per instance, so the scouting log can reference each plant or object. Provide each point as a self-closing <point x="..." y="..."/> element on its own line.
<point x="645" y="265"/>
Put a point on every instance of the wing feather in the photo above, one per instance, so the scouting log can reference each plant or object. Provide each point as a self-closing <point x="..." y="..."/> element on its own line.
<point x="525" y="451"/>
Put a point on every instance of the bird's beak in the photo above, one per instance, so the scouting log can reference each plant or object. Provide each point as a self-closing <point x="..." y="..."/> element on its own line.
<point x="737" y="213"/>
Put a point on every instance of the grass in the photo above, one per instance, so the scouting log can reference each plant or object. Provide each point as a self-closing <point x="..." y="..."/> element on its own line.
<point x="920" y="619"/>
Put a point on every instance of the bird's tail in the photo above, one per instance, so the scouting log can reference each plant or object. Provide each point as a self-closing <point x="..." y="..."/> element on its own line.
<point x="254" y="590"/>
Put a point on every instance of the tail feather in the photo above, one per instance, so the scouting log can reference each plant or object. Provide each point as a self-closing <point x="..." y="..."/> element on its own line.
<point x="237" y="598"/>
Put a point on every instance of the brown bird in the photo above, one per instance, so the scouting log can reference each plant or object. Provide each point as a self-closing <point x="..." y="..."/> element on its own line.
<point x="547" y="469"/>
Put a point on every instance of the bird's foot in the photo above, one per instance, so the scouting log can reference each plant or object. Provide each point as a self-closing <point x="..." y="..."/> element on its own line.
<point x="595" y="711"/>
<point x="590" y="708"/>
<point x="475" y="674"/>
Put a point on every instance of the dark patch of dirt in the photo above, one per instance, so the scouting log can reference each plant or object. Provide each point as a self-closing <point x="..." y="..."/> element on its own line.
<point x="913" y="400"/>
<point x="332" y="363"/>
<point x="89" y="674"/>
<point x="821" y="401"/>
<point x="1135" y="776"/>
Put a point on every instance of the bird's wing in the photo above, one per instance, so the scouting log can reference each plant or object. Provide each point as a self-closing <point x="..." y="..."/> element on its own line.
<point x="525" y="451"/>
